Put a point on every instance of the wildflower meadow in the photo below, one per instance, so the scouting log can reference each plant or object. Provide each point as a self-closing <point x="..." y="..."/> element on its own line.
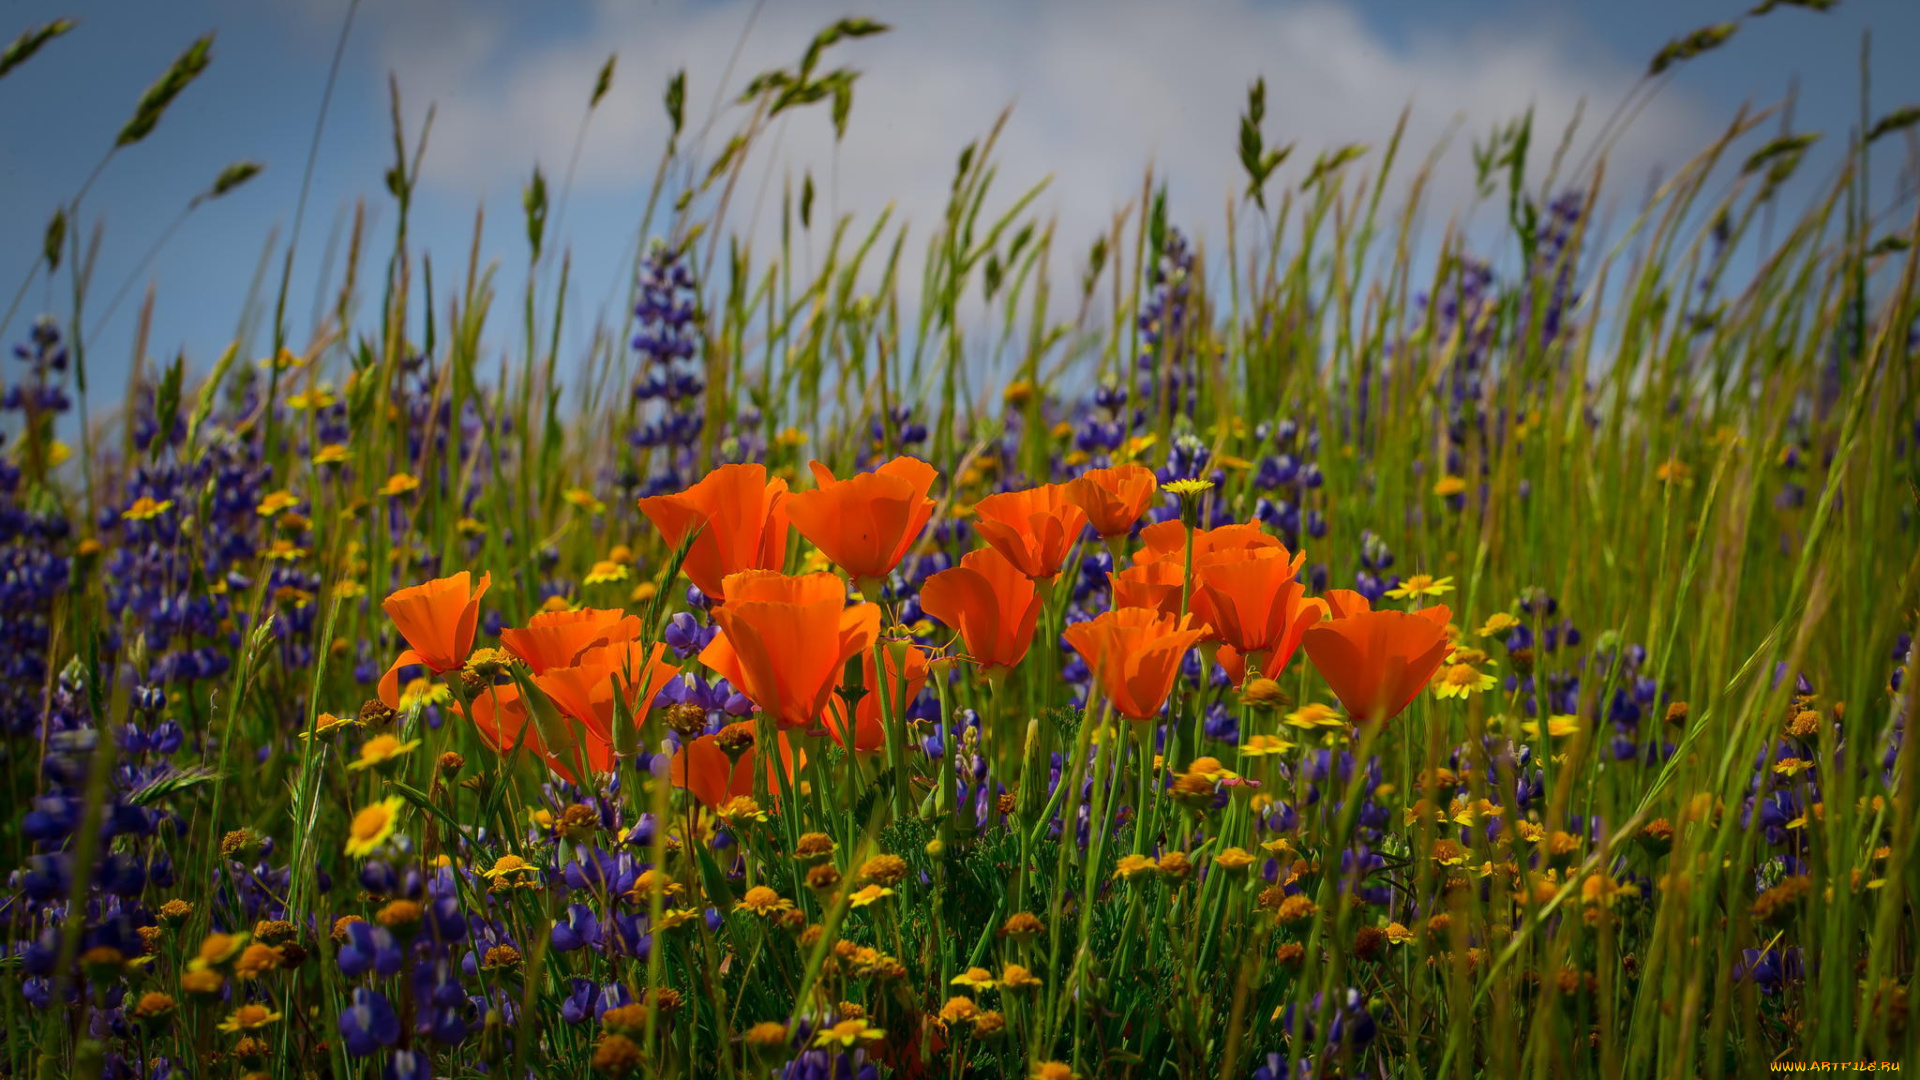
<point x="1323" y="643"/>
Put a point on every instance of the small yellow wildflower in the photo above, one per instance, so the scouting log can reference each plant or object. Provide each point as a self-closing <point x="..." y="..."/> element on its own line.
<point x="606" y="570"/>
<point x="1017" y="977"/>
<point x="276" y="502"/>
<point x="1398" y="935"/>
<point x="1673" y="471"/>
<point x="763" y="902"/>
<point x="511" y="866"/>
<point x="373" y="826"/>
<point x="1421" y="585"/>
<point x="1462" y="680"/>
<point x="328" y="724"/>
<point x="1449" y="486"/>
<point x="871" y="894"/>
<point x="643" y="592"/>
<point x="1132" y="866"/>
<point x="847" y="1034"/>
<point x="582" y="499"/>
<point x="1316" y="715"/>
<point x="1187" y="489"/>
<point x="330" y="454"/>
<point x="1499" y="625"/>
<point x="249" y="1018"/>
<point x="382" y="749"/>
<point x="974" y="978"/>
<point x="146" y="508"/>
<point x="1557" y="726"/>
<point x="1264" y="745"/>
<point x="399" y="484"/>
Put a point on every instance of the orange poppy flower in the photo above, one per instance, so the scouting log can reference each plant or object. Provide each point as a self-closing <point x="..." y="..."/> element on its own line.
<point x="1168" y="540"/>
<point x="1254" y="604"/>
<point x="1377" y="662"/>
<point x="1232" y="663"/>
<point x="703" y="768"/>
<point x="1154" y="585"/>
<point x="784" y="640"/>
<point x="554" y="639"/>
<point x="1135" y="653"/>
<point x="866" y="523"/>
<point x="1344" y="602"/>
<point x="1113" y="499"/>
<point x="438" y="620"/>
<point x="990" y="602"/>
<point x="868" y="735"/>
<point x="1034" y="529"/>
<point x="742" y="521"/>
<point x="584" y="690"/>
<point x="503" y="722"/>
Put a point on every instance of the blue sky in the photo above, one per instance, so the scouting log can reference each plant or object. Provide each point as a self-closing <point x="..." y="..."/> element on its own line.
<point x="1100" y="91"/>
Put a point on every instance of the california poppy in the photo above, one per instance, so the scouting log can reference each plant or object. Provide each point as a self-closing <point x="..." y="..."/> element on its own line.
<point x="784" y="640"/>
<point x="700" y="766"/>
<point x="1254" y="604"/>
<point x="990" y="602"/>
<point x="1156" y="585"/>
<point x="866" y="523"/>
<point x="867" y="732"/>
<point x="1344" y="602"/>
<point x="438" y="620"/>
<point x="1168" y="540"/>
<point x="1377" y="662"/>
<point x="503" y="722"/>
<point x="584" y="690"/>
<point x="554" y="639"/>
<point x="742" y="521"/>
<point x="1135" y="653"/>
<point x="1114" y="498"/>
<point x="1034" y="529"/>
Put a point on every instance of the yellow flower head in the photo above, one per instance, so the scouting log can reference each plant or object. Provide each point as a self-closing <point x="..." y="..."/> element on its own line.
<point x="1315" y="715"/>
<point x="1017" y="977"/>
<point x="249" y="1018"/>
<point x="511" y="867"/>
<point x="606" y="570"/>
<point x="1448" y="486"/>
<point x="330" y="454"/>
<point x="763" y="902"/>
<point x="1132" y="866"/>
<point x="399" y="484"/>
<point x="382" y="749"/>
<point x="1419" y="585"/>
<point x="975" y="979"/>
<point x="871" y="894"/>
<point x="276" y="502"/>
<point x="846" y="1034"/>
<point x="1499" y="625"/>
<point x="1557" y="726"/>
<point x="1264" y="745"/>
<point x="582" y="499"/>
<point x="373" y="826"/>
<point x="146" y="508"/>
<point x="328" y="724"/>
<point x="1461" y="680"/>
<point x="1187" y="489"/>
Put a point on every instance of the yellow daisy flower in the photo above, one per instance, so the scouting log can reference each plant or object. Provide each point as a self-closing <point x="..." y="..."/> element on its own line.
<point x="605" y="571"/>
<point x="330" y="454"/>
<point x="1421" y="585"/>
<point x="328" y="724"/>
<point x="276" y="502"/>
<point x="1462" y="680"/>
<point x="1315" y="715"/>
<point x="1264" y="745"/>
<point x="871" y="894"/>
<point x="373" y="826"/>
<point x="399" y="484"/>
<point x="382" y="749"/>
<point x="146" y="508"/>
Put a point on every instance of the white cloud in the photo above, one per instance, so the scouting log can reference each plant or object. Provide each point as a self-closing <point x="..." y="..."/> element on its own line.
<point x="1101" y="89"/>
